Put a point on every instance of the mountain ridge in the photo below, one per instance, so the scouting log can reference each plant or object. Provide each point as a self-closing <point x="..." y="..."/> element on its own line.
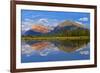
<point x="61" y="28"/>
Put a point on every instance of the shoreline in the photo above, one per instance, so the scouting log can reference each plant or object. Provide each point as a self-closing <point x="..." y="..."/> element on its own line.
<point x="56" y="38"/>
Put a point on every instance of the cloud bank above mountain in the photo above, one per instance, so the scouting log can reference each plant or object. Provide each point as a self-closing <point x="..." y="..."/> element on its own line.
<point x="49" y="24"/>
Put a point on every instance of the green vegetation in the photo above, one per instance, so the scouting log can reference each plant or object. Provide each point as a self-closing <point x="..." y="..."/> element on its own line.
<point x="76" y="34"/>
<point x="54" y="38"/>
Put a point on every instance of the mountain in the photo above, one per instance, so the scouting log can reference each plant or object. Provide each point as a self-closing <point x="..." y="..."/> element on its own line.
<point x="70" y="46"/>
<point x="40" y="28"/>
<point x="37" y="30"/>
<point x="68" y="26"/>
<point x="65" y="28"/>
<point x="70" y="23"/>
<point x="32" y="32"/>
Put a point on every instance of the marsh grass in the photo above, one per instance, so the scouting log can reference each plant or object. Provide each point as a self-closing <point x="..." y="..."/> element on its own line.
<point x="56" y="38"/>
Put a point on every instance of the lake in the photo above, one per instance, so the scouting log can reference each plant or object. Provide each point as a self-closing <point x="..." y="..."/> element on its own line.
<point x="54" y="50"/>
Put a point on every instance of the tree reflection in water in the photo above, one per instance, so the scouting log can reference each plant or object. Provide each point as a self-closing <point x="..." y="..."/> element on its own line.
<point x="54" y="47"/>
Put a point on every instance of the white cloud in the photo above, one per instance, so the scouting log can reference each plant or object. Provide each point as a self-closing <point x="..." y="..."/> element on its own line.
<point x="49" y="23"/>
<point x="26" y="24"/>
<point x="84" y="52"/>
<point x="83" y="19"/>
<point x="43" y="20"/>
<point x="35" y="16"/>
<point x="78" y="22"/>
<point x="44" y="53"/>
<point x="26" y="49"/>
<point x="29" y="20"/>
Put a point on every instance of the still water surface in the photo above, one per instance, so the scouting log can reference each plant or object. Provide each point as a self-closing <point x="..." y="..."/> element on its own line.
<point x="64" y="50"/>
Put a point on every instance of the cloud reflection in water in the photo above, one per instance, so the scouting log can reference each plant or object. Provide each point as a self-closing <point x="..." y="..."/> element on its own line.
<point x="42" y="51"/>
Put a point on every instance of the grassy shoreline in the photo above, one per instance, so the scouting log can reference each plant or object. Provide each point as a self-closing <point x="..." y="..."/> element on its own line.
<point x="56" y="38"/>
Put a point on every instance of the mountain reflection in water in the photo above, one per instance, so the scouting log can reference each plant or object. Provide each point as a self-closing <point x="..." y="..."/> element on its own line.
<point x="63" y="50"/>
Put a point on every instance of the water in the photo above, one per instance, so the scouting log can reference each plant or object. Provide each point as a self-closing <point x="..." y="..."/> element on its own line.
<point x="56" y="50"/>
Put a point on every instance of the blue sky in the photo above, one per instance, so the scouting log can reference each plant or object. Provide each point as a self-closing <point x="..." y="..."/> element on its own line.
<point x="52" y="18"/>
